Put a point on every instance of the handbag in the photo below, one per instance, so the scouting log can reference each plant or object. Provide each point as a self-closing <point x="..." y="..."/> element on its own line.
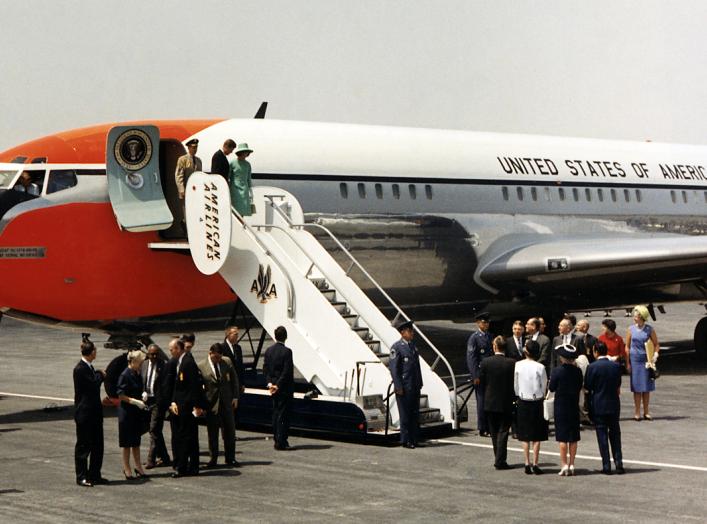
<point x="549" y="407"/>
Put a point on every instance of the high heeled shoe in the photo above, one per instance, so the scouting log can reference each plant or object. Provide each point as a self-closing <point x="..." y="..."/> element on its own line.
<point x="139" y="475"/>
<point x="571" y="471"/>
<point x="128" y="477"/>
<point x="564" y="471"/>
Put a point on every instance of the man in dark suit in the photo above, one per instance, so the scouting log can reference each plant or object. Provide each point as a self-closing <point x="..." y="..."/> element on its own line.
<point x="496" y="379"/>
<point x="516" y="342"/>
<point x="221" y="385"/>
<point x="278" y="368"/>
<point x="405" y="369"/>
<point x="88" y="416"/>
<point x="588" y="340"/>
<point x="566" y="337"/>
<point x="533" y="331"/>
<point x="188" y="402"/>
<point x="603" y="384"/>
<point x="478" y="348"/>
<point x="232" y="350"/>
<point x="152" y="372"/>
<point x="219" y="162"/>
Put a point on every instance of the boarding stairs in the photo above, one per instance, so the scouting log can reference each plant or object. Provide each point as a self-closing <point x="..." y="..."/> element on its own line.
<point x="340" y="340"/>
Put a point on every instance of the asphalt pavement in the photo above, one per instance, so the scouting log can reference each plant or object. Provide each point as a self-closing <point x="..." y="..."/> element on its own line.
<point x="450" y="479"/>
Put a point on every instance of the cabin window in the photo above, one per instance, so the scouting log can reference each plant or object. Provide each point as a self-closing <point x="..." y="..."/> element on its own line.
<point x="547" y="194"/>
<point x="413" y="191"/>
<point x="362" y="190"/>
<point x="613" y="195"/>
<point x="344" y="190"/>
<point x="519" y="192"/>
<point x="504" y="192"/>
<point x="7" y="176"/>
<point x="561" y="192"/>
<point x="639" y="196"/>
<point x="534" y="194"/>
<point x="379" y="191"/>
<point x="428" y="191"/>
<point x="588" y="193"/>
<point x="600" y="194"/>
<point x="673" y="197"/>
<point x="684" y="196"/>
<point x="61" y="179"/>
<point x="575" y="194"/>
<point x="627" y="195"/>
<point x="705" y="197"/>
<point x="396" y="191"/>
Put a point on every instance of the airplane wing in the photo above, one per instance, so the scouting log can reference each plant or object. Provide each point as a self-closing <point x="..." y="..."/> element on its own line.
<point x="547" y="261"/>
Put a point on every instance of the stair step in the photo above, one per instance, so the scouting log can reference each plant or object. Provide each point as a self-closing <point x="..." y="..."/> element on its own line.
<point x="424" y="401"/>
<point x="341" y="307"/>
<point x="363" y="332"/>
<point x="385" y="359"/>
<point x="428" y="415"/>
<point x="329" y="294"/>
<point x="320" y="283"/>
<point x="351" y="319"/>
<point x="374" y="345"/>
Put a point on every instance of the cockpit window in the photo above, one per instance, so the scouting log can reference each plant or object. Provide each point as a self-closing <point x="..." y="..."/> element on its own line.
<point x="61" y="179"/>
<point x="6" y="178"/>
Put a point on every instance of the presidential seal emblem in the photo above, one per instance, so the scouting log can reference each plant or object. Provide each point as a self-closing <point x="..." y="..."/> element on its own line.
<point x="133" y="150"/>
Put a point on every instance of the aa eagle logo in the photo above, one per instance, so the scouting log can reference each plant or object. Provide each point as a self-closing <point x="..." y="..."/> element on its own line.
<point x="263" y="287"/>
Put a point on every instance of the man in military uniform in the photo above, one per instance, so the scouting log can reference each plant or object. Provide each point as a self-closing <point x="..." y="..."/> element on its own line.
<point x="186" y="165"/>
<point x="405" y="369"/>
<point x="479" y="347"/>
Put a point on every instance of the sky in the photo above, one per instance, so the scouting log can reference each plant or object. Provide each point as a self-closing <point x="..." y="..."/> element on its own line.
<point x="603" y="69"/>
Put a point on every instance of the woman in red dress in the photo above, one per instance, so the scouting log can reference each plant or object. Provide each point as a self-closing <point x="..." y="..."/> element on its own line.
<point x="614" y="342"/>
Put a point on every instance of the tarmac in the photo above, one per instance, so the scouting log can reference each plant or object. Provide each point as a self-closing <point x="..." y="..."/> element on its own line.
<point x="450" y="479"/>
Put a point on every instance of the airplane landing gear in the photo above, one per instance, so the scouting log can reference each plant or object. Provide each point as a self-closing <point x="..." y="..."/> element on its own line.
<point x="700" y="338"/>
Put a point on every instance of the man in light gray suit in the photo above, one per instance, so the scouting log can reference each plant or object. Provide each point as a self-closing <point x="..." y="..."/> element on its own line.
<point x="222" y="391"/>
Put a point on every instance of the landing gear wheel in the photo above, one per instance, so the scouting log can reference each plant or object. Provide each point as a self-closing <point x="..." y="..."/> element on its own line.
<point x="701" y="338"/>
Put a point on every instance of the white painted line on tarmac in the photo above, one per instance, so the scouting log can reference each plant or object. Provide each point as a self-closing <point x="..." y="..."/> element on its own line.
<point x="586" y="457"/>
<point x="3" y="394"/>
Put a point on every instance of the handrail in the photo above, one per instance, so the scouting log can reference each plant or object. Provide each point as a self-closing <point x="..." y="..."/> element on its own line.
<point x="387" y="408"/>
<point x="440" y="356"/>
<point x="291" y="304"/>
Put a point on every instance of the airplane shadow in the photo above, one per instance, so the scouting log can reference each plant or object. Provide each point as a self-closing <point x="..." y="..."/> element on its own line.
<point x="310" y="447"/>
<point x="52" y="414"/>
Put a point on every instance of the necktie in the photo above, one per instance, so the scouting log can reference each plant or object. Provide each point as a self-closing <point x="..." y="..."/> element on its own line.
<point x="566" y="339"/>
<point x="149" y="379"/>
<point x="218" y="373"/>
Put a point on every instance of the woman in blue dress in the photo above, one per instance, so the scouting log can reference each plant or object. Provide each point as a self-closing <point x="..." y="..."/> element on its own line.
<point x="641" y="382"/>
<point x="566" y="382"/>
<point x="130" y="414"/>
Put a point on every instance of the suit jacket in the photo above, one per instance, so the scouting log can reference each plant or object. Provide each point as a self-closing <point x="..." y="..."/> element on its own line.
<point x="158" y="372"/>
<point x="236" y="356"/>
<point x="602" y="382"/>
<point x="545" y="347"/>
<point x="512" y="349"/>
<point x="279" y="368"/>
<point x="220" y="165"/>
<point x="219" y="391"/>
<point x="404" y="367"/>
<point x="185" y="167"/>
<point x="496" y="379"/>
<point x="478" y="347"/>
<point x="87" y="394"/>
<point x="188" y="387"/>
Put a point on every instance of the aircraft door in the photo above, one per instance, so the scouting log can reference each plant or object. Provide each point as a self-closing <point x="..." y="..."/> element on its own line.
<point x="134" y="186"/>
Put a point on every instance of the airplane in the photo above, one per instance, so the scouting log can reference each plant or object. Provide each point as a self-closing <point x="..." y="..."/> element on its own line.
<point x="514" y="224"/>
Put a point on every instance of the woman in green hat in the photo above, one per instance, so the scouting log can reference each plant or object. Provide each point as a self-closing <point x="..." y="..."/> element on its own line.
<point x="239" y="181"/>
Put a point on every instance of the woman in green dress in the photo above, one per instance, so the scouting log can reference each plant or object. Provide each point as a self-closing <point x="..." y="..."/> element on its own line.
<point x="239" y="181"/>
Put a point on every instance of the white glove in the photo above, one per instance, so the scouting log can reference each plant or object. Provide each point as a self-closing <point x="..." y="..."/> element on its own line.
<point x="138" y="403"/>
<point x="655" y="357"/>
<point x="144" y="396"/>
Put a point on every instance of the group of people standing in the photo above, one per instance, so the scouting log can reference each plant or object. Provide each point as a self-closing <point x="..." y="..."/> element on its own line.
<point x="584" y="383"/>
<point x="236" y="171"/>
<point x="152" y="388"/>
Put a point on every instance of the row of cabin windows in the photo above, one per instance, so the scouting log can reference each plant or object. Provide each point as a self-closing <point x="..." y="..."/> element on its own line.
<point x="378" y="189"/>
<point x="574" y="193"/>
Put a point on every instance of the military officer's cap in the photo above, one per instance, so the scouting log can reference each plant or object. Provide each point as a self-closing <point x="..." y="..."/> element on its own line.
<point x="400" y="322"/>
<point x="485" y="315"/>
<point x="193" y="142"/>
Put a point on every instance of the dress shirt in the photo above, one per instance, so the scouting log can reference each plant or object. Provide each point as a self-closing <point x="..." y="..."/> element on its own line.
<point x="151" y="372"/>
<point x="529" y="380"/>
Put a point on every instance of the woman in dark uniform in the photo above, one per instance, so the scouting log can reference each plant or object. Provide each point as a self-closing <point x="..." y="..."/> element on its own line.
<point x="130" y="414"/>
<point x="566" y="383"/>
